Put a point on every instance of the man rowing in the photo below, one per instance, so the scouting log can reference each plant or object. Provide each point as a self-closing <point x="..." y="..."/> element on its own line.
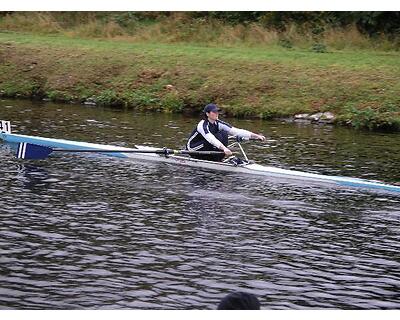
<point x="211" y="134"/>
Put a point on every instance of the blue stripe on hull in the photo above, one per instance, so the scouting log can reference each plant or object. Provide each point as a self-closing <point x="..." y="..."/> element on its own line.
<point x="377" y="186"/>
<point x="59" y="143"/>
<point x="337" y="180"/>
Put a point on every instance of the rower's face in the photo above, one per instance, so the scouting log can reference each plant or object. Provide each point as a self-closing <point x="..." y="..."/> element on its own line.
<point x="212" y="115"/>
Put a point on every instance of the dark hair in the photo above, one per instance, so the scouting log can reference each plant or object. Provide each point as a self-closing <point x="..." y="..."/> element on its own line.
<point x="239" y="301"/>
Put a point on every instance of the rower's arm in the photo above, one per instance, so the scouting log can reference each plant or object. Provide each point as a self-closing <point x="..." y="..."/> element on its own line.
<point x="203" y="130"/>
<point x="241" y="133"/>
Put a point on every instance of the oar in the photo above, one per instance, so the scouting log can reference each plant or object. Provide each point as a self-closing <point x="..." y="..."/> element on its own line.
<point x="34" y="151"/>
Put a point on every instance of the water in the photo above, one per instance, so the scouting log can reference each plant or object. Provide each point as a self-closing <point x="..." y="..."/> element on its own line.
<point x="90" y="232"/>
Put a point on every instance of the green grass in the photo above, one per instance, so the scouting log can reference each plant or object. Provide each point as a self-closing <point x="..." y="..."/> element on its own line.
<point x="263" y="82"/>
<point x="357" y="59"/>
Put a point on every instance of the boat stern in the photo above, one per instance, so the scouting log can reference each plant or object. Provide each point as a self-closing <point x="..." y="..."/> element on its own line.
<point x="5" y="127"/>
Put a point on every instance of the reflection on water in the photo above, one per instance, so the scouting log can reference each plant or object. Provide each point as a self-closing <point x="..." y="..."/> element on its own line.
<point x="92" y="232"/>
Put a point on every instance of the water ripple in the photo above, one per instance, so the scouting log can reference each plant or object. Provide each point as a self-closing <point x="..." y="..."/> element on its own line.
<point x="81" y="232"/>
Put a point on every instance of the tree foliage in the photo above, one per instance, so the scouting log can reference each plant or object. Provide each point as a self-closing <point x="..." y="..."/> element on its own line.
<point x="372" y="23"/>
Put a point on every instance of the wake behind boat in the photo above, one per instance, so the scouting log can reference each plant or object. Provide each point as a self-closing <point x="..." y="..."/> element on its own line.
<point x="177" y="157"/>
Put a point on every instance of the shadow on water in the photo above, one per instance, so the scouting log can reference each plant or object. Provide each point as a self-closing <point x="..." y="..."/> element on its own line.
<point x="95" y="232"/>
<point x="34" y="178"/>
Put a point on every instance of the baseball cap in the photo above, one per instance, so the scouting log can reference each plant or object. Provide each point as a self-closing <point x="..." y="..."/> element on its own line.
<point x="211" y="107"/>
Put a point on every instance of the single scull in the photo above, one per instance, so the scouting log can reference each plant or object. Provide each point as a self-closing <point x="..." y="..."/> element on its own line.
<point x="179" y="158"/>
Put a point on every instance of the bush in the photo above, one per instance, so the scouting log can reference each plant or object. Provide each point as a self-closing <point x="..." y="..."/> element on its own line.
<point x="319" y="48"/>
<point x="385" y="118"/>
<point x="55" y="95"/>
<point x="285" y="43"/>
<point x="172" y="103"/>
<point x="140" y="99"/>
<point x="108" y="97"/>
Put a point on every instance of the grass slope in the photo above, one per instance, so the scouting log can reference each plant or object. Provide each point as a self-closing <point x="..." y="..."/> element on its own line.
<point x="360" y="87"/>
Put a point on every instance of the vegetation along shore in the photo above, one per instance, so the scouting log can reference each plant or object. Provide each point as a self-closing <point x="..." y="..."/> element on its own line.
<point x="248" y="69"/>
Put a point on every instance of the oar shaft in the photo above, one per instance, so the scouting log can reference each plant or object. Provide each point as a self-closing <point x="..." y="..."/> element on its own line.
<point x="161" y="151"/>
<point x="33" y="151"/>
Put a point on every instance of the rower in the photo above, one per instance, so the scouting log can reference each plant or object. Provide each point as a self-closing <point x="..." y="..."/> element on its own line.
<point x="211" y="134"/>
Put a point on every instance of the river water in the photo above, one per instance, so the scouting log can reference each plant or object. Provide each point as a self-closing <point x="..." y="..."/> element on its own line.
<point x="91" y="232"/>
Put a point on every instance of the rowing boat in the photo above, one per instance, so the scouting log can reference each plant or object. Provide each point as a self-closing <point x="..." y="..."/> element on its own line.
<point x="247" y="167"/>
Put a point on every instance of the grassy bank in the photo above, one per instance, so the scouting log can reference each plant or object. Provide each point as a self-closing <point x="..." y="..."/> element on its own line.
<point x="361" y="87"/>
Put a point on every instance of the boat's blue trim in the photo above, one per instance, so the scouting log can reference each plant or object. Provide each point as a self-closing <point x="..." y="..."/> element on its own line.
<point x="57" y="143"/>
<point x="379" y="186"/>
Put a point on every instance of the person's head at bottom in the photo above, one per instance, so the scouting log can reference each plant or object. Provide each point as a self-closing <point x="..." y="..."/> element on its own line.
<point x="239" y="301"/>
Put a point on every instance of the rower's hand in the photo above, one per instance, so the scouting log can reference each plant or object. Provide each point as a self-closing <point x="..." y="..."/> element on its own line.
<point x="227" y="152"/>
<point x="260" y="137"/>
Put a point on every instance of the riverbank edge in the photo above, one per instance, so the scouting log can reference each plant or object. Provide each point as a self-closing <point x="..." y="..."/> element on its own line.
<point x="42" y="71"/>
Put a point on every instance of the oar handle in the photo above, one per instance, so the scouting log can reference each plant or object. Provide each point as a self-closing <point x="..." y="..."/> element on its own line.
<point x="240" y="139"/>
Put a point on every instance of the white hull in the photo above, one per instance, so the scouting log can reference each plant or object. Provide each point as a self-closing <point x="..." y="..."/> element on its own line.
<point x="251" y="168"/>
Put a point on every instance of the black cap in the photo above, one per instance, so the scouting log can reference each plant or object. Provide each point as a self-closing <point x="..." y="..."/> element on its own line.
<point x="239" y="301"/>
<point x="211" y="107"/>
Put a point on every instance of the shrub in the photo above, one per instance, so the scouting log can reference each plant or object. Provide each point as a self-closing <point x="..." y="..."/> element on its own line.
<point x="384" y="118"/>
<point x="318" y="47"/>
<point x="285" y="43"/>
<point x="140" y="98"/>
<point x="108" y="97"/>
<point x="172" y="103"/>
